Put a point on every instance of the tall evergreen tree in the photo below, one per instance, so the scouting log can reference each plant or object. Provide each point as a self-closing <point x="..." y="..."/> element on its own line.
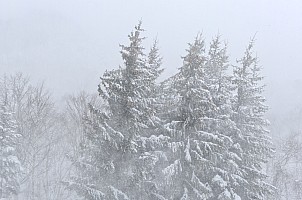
<point x="10" y="165"/>
<point x="197" y="146"/>
<point x="205" y="160"/>
<point x="117" y="150"/>
<point x="249" y="114"/>
<point x="219" y="84"/>
<point x="216" y="70"/>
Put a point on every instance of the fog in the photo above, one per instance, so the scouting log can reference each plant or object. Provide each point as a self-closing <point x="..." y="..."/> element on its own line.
<point x="69" y="44"/>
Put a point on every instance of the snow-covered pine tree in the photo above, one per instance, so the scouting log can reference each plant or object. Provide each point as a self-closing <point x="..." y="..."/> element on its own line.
<point x="153" y="144"/>
<point x="228" y="176"/>
<point x="10" y="165"/>
<point x="153" y="67"/>
<point x="249" y="115"/>
<point x="216" y="70"/>
<point x="198" y="148"/>
<point x="120" y="144"/>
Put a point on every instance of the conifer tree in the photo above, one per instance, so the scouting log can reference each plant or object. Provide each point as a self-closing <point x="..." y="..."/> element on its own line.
<point x="194" y="144"/>
<point x="10" y="165"/>
<point x="199" y="121"/>
<point x="249" y="115"/>
<point x="216" y="70"/>
<point x="120" y="143"/>
<point x="229" y="175"/>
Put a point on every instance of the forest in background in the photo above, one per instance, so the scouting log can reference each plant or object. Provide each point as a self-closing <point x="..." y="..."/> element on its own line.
<point x="200" y="134"/>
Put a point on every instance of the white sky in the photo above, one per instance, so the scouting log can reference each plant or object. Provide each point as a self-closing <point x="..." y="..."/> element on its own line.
<point x="70" y="43"/>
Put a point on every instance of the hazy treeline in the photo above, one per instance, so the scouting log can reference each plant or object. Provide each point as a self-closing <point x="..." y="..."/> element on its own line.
<point x="200" y="134"/>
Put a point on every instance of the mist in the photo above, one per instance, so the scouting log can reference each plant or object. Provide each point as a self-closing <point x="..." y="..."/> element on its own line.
<point x="66" y="46"/>
<point x="49" y="39"/>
